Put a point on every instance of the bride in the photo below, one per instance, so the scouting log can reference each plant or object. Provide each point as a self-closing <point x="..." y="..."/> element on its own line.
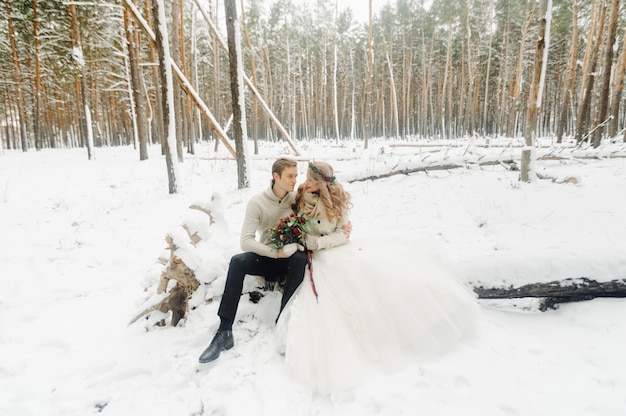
<point x="364" y="308"/>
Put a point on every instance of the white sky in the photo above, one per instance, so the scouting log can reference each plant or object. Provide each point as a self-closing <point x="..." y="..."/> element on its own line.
<point x="359" y="7"/>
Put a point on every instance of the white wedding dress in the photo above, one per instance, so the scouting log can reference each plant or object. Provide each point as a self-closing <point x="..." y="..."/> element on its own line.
<point x="378" y="308"/>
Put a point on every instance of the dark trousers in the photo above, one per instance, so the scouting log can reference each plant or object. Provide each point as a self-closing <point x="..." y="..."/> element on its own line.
<point x="250" y="263"/>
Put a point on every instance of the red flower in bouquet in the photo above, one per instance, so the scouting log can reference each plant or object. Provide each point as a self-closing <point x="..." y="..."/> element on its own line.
<point x="291" y="229"/>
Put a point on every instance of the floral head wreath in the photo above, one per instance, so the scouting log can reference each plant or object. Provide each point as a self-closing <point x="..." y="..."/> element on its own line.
<point x="315" y="170"/>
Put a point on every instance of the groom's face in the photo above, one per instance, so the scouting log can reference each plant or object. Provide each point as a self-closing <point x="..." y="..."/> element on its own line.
<point x="287" y="179"/>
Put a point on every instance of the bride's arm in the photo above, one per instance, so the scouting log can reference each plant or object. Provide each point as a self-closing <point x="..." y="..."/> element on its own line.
<point x="336" y="238"/>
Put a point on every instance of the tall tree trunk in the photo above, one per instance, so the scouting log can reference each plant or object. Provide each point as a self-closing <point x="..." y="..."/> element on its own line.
<point x="167" y="97"/>
<point x="256" y="116"/>
<point x="428" y="114"/>
<point x="502" y="90"/>
<point x="589" y="67"/>
<point x="394" y="99"/>
<point x="335" y="106"/>
<point x="186" y="103"/>
<point x="132" y="37"/>
<point x="158" y="129"/>
<point x="534" y="101"/>
<point x="19" y="82"/>
<point x="197" y="119"/>
<point x="618" y="87"/>
<point x="217" y="69"/>
<point x="446" y="117"/>
<point x="82" y="94"/>
<point x="176" y="57"/>
<point x="37" y="75"/>
<point x="236" y="90"/>
<point x="471" y="69"/>
<point x="367" y="128"/>
<point x="606" y="77"/>
<point x="570" y="82"/>
<point x="516" y="86"/>
<point x="486" y="100"/>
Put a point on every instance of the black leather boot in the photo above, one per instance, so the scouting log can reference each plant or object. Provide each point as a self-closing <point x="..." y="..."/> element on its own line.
<point x="222" y="341"/>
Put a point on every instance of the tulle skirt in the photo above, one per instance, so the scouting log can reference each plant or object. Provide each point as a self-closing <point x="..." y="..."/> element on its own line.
<point x="378" y="308"/>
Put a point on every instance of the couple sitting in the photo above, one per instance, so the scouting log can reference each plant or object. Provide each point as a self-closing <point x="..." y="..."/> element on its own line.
<point x="373" y="305"/>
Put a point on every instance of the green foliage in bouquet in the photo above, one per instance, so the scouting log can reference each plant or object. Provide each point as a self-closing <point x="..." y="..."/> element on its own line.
<point x="291" y="229"/>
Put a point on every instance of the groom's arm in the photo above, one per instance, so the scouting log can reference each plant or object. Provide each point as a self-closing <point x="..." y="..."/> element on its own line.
<point x="251" y="223"/>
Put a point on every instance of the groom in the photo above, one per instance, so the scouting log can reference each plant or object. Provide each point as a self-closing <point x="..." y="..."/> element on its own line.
<point x="264" y="210"/>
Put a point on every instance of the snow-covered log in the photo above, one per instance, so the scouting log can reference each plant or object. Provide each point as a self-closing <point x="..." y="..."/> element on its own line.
<point x="177" y="299"/>
<point x="194" y="261"/>
<point x="553" y="293"/>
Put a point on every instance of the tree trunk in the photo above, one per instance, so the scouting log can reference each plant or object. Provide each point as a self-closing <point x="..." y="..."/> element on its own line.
<point x="606" y="72"/>
<point x="469" y="111"/>
<point x="187" y="102"/>
<point x="256" y="116"/>
<point x="446" y="117"/>
<point x="136" y="82"/>
<point x="367" y="117"/>
<point x="82" y="92"/>
<point x="79" y="62"/>
<point x="516" y="85"/>
<point x="335" y="99"/>
<point x="486" y="100"/>
<point x="156" y="125"/>
<point x="534" y="101"/>
<point x="197" y="117"/>
<point x="176" y="53"/>
<point x="589" y="68"/>
<point x="19" y="83"/>
<point x="570" y="82"/>
<point x="167" y="96"/>
<point x="618" y="87"/>
<point x="394" y="99"/>
<point x="37" y="83"/>
<point x="236" y="89"/>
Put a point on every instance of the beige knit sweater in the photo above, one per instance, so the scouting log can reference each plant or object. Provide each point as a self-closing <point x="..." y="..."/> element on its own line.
<point x="263" y="212"/>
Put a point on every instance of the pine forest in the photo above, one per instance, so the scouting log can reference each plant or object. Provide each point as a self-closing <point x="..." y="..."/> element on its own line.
<point x="87" y="73"/>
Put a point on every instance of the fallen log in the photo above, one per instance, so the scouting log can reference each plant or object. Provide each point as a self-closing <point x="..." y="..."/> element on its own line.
<point x="508" y="163"/>
<point x="556" y="292"/>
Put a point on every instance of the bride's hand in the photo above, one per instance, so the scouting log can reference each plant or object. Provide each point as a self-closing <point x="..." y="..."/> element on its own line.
<point x="347" y="229"/>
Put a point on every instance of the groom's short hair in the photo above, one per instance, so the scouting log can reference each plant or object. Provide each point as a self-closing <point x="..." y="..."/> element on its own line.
<point x="281" y="163"/>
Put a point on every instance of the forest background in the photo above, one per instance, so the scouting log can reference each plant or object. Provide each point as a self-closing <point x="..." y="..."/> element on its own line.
<point x="78" y="71"/>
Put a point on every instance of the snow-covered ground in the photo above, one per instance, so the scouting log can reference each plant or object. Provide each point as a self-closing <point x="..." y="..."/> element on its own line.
<point x="79" y="248"/>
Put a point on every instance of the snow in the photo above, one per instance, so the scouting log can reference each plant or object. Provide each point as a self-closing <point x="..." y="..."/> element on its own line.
<point x="80" y="257"/>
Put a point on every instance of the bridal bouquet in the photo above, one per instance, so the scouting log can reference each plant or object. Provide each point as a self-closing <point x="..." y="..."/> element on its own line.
<point x="291" y="229"/>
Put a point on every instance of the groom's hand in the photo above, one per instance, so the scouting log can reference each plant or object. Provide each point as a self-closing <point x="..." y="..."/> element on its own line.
<point x="288" y="250"/>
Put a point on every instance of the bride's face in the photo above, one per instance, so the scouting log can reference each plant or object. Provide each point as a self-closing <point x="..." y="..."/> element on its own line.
<point x="310" y="185"/>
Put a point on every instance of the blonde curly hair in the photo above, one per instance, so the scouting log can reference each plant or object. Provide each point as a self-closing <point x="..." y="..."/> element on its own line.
<point x="335" y="198"/>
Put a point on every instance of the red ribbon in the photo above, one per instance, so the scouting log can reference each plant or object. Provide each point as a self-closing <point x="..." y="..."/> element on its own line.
<point x="310" y="261"/>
